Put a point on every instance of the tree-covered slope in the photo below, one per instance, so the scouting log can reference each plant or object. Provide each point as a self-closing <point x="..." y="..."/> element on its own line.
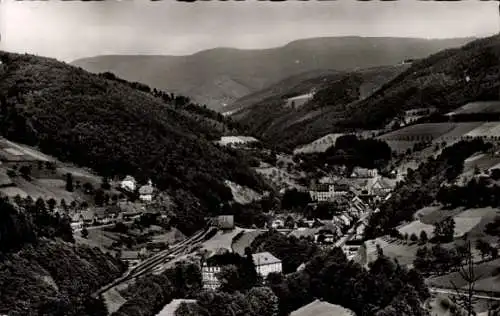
<point x="41" y="271"/>
<point x="445" y="80"/>
<point x="271" y="120"/>
<point x="118" y="128"/>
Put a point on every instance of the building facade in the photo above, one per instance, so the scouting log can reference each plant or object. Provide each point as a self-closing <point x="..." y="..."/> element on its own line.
<point x="266" y="263"/>
<point x="209" y="277"/>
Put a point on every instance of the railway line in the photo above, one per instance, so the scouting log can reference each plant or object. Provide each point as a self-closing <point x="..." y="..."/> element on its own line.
<point x="159" y="259"/>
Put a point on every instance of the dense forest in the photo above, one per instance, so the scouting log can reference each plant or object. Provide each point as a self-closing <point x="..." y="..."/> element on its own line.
<point x="421" y="186"/>
<point x="120" y="128"/>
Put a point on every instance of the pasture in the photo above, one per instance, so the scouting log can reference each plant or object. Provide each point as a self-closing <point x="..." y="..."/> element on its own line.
<point x="487" y="271"/>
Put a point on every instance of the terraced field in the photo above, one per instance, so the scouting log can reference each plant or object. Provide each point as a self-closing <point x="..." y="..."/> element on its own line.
<point x="402" y="139"/>
<point x="478" y="107"/>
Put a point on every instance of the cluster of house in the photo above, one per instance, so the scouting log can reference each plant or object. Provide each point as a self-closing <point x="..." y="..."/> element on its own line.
<point x="122" y="211"/>
<point x="129" y="184"/>
<point x="265" y="263"/>
<point x="365" y="183"/>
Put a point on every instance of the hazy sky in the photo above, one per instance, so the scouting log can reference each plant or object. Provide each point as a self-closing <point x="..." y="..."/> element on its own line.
<point x="71" y="30"/>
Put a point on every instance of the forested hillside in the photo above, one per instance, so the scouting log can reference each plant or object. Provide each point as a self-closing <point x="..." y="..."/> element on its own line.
<point x="269" y="119"/>
<point x="41" y="271"/>
<point x="446" y="80"/>
<point x="120" y="128"/>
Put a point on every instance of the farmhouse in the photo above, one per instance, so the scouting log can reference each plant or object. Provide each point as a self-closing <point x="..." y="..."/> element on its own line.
<point x="128" y="184"/>
<point x="266" y="263"/>
<point x="146" y="192"/>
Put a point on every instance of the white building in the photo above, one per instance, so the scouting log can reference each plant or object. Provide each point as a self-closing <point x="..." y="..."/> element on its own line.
<point x="364" y="173"/>
<point x="146" y="192"/>
<point x="266" y="263"/>
<point x="209" y="277"/>
<point x="128" y="184"/>
<point x="323" y="192"/>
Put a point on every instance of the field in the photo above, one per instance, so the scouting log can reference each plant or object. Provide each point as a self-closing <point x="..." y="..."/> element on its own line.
<point x="489" y="278"/>
<point x="245" y="241"/>
<point x="17" y="150"/>
<point x="406" y="137"/>
<point x="319" y="145"/>
<point x="478" y="107"/>
<point x="470" y="221"/>
<point x="405" y="254"/>
<point x="488" y="129"/>
<point x="222" y="240"/>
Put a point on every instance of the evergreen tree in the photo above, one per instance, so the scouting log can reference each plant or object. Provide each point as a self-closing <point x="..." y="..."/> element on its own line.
<point x="69" y="182"/>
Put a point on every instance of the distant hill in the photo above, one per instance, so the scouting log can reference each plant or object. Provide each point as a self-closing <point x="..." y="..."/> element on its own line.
<point x="119" y="128"/>
<point x="222" y="75"/>
<point x="271" y="119"/>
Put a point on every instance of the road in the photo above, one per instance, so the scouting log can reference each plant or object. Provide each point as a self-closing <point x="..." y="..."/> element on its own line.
<point x="452" y="292"/>
<point x="351" y="232"/>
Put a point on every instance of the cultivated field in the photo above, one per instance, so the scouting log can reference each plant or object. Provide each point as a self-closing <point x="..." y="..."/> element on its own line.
<point x="488" y="129"/>
<point x="478" y="107"/>
<point x="405" y="254"/>
<point x="406" y="137"/>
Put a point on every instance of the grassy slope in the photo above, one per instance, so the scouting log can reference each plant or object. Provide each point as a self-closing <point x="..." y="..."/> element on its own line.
<point x="106" y="125"/>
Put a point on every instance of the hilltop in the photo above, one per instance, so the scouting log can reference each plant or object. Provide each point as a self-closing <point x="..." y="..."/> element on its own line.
<point x="119" y="128"/>
<point x="222" y="75"/>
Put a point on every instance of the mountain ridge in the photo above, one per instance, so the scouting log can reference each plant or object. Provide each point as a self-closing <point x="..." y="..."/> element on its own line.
<point x="255" y="69"/>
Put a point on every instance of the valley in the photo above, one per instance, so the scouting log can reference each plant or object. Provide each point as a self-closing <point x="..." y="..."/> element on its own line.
<point x="349" y="175"/>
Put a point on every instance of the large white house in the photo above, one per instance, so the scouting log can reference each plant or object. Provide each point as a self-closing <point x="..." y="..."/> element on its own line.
<point x="128" y="184"/>
<point x="266" y="263"/>
<point x="327" y="192"/>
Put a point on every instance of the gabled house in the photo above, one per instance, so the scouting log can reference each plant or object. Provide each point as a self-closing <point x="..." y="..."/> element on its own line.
<point x="128" y="184"/>
<point x="266" y="263"/>
<point x="146" y="192"/>
<point x="358" y="172"/>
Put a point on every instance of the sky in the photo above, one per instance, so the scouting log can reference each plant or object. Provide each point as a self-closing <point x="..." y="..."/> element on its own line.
<point x="75" y="29"/>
